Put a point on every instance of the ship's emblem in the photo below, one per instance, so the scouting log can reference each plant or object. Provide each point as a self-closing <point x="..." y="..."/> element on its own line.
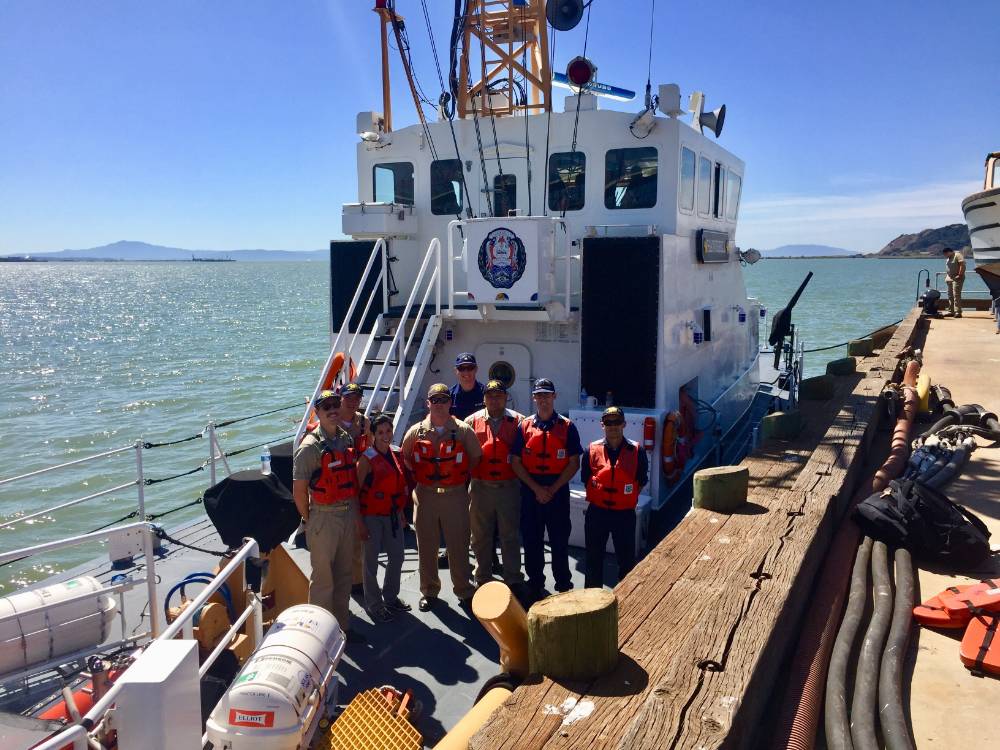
<point x="502" y="258"/>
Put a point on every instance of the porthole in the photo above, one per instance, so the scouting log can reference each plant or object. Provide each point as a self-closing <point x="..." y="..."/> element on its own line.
<point x="504" y="372"/>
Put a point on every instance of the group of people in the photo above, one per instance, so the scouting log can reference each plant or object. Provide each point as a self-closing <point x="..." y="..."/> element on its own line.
<point x="476" y="471"/>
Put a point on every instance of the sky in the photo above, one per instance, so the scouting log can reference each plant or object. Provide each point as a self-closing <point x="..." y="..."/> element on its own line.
<point x="230" y="124"/>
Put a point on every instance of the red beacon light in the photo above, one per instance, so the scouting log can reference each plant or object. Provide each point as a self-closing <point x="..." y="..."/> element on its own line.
<point x="580" y="72"/>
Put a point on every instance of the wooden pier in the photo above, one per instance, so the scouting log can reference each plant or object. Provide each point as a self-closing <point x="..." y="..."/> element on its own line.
<point x="707" y="618"/>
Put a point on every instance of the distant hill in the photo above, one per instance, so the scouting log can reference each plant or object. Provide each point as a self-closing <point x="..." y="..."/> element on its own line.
<point x="131" y="250"/>
<point x="807" y="251"/>
<point x="928" y="243"/>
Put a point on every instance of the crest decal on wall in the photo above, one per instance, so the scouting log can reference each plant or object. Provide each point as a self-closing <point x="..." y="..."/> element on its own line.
<point x="502" y="258"/>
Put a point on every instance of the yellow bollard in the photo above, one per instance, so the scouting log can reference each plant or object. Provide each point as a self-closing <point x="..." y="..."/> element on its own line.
<point x="923" y="392"/>
<point x="495" y="606"/>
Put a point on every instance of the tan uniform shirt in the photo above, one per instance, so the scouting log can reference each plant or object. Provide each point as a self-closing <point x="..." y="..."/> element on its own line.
<point x="955" y="265"/>
<point x="463" y="434"/>
<point x="306" y="460"/>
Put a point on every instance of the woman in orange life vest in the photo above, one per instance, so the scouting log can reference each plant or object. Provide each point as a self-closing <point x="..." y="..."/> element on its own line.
<point x="325" y="489"/>
<point x="382" y="482"/>
<point x="614" y="473"/>
<point x="546" y="455"/>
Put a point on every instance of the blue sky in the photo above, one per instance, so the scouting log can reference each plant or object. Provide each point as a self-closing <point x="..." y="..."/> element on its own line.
<point x="230" y="124"/>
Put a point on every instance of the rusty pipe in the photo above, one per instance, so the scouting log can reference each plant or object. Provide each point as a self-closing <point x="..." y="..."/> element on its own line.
<point x="900" y="450"/>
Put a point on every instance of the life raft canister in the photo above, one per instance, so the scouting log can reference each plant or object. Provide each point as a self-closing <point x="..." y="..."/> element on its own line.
<point x="336" y="480"/>
<point x="445" y="465"/>
<point x="545" y="451"/>
<point x="495" y="465"/>
<point x="613" y="486"/>
<point x="384" y="489"/>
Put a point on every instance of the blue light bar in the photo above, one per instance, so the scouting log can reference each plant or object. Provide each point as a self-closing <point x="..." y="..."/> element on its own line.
<point x="600" y="89"/>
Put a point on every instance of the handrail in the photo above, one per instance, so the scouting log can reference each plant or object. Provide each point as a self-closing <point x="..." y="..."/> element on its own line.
<point x="76" y="734"/>
<point x="433" y="251"/>
<point x="378" y="250"/>
<point x="69" y="504"/>
<point x="68" y="463"/>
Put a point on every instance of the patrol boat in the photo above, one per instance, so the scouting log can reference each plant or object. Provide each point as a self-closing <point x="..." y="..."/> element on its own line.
<point x="592" y="246"/>
<point x="982" y="214"/>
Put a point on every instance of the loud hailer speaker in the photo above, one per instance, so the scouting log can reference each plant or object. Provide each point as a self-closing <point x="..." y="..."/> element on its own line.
<point x="251" y="504"/>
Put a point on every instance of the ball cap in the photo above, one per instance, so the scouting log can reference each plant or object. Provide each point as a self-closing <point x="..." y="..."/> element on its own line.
<point x="438" y="389"/>
<point x="613" y="413"/>
<point x="351" y="389"/>
<point x="495" y="386"/>
<point x="326" y="396"/>
<point x="543" y="385"/>
<point x="465" y="358"/>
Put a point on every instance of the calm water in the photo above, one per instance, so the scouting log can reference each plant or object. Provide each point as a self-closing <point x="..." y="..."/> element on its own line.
<point x="96" y="355"/>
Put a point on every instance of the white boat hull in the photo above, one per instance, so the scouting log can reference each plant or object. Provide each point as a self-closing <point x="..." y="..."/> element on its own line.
<point x="982" y="214"/>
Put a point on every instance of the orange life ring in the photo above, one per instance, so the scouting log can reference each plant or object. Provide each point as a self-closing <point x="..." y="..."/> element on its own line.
<point x="336" y="365"/>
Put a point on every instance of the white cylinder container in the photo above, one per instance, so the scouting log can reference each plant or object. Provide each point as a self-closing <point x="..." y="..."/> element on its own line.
<point x="33" y="636"/>
<point x="275" y="699"/>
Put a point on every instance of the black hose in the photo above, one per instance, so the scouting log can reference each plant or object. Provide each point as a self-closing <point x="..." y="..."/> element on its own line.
<point x="951" y="416"/>
<point x="837" y="723"/>
<point x="992" y="426"/>
<point x="951" y="470"/>
<point x="940" y="462"/>
<point x="892" y="717"/>
<point x="864" y="704"/>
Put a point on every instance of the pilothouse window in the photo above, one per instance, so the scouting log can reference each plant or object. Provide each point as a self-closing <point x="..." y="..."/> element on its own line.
<point x="720" y="190"/>
<point x="446" y="187"/>
<point x="630" y="178"/>
<point x="393" y="183"/>
<point x="567" y="180"/>
<point x="733" y="187"/>
<point x="686" y="197"/>
<point x="504" y="194"/>
<point x="704" y="186"/>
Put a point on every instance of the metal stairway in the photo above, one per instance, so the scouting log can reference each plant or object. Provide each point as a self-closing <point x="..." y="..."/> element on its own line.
<point x="391" y="357"/>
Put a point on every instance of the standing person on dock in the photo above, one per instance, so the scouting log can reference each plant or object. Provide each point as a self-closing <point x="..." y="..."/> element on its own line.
<point x="955" y="264"/>
<point x="467" y="394"/>
<point x="325" y="489"/>
<point x="442" y="451"/>
<point x="359" y="427"/>
<point x="545" y="456"/>
<point x="382" y="483"/>
<point x="495" y="492"/>
<point x="614" y="474"/>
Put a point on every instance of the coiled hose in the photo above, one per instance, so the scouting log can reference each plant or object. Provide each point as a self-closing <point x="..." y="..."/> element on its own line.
<point x="864" y="707"/>
<point x="892" y="718"/>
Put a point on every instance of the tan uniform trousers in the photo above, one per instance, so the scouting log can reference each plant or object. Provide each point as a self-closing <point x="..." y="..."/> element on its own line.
<point x="955" y="296"/>
<point x="496" y="505"/>
<point x="447" y="513"/>
<point x="331" y="533"/>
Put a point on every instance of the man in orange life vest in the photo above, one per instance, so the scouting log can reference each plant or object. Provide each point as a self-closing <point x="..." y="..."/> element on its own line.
<point x="546" y="455"/>
<point x="614" y="473"/>
<point x="383" y="497"/>
<point x="358" y="426"/>
<point x="495" y="491"/>
<point x="325" y="489"/>
<point x="441" y="452"/>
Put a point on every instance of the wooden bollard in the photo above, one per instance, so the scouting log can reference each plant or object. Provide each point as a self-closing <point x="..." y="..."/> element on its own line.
<point x="574" y="635"/>
<point x="819" y="388"/>
<point x="495" y="606"/>
<point x="721" y="488"/>
<point x="781" y="425"/>
<point x="860" y="347"/>
<point x="843" y="366"/>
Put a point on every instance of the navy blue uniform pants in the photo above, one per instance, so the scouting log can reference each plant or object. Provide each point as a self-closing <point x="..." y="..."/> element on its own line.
<point x="598" y="523"/>
<point x="536" y="520"/>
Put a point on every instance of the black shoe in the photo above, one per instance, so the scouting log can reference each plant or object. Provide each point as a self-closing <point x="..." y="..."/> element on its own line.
<point x="564" y="587"/>
<point x="443" y="561"/>
<point x="380" y="614"/>
<point x="353" y="636"/>
<point x="426" y="603"/>
<point x="466" y="604"/>
<point x="398" y="605"/>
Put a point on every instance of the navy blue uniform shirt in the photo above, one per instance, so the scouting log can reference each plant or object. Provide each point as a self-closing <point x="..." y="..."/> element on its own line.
<point x="464" y="403"/>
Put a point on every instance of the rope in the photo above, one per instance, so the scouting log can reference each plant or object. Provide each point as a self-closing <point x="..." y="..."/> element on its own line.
<point x="228" y="422"/>
<point x="579" y="94"/>
<point x="548" y="132"/>
<point x="237" y="452"/>
<point x="154" y="516"/>
<point x="150" y="481"/>
<point x="147" y="445"/>
<point x="160" y="533"/>
<point x="527" y="137"/>
<point x="845" y="343"/>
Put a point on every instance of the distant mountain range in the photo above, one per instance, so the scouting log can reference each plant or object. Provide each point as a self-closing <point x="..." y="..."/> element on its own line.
<point x="807" y="251"/>
<point x="131" y="250"/>
<point x="928" y="243"/>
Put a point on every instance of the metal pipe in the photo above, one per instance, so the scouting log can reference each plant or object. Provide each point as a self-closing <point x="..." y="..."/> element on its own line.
<point x="837" y="724"/>
<point x="211" y="454"/>
<point x="864" y="703"/>
<point x="892" y="716"/>
<point x="68" y="463"/>
<point x="72" y="541"/>
<point x="140" y="480"/>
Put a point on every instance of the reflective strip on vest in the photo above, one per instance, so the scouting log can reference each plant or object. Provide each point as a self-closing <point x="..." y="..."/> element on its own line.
<point x="613" y="486"/>
<point x="447" y="465"/>
<point x="545" y="450"/>
<point x="495" y="466"/>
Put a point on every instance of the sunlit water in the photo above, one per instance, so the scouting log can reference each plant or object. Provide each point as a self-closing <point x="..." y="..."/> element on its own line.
<point x="94" y="356"/>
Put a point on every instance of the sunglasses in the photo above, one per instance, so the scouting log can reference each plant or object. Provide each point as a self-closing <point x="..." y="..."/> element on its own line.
<point x="329" y="405"/>
<point x="466" y="368"/>
<point x="614" y="423"/>
<point x="440" y="400"/>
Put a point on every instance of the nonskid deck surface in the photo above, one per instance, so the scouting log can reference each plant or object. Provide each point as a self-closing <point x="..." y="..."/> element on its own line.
<point x="444" y="656"/>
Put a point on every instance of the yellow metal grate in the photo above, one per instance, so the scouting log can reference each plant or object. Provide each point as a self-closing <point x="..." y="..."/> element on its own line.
<point x="368" y="723"/>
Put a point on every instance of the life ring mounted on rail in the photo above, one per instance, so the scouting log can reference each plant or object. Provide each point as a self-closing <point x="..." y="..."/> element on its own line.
<point x="331" y="378"/>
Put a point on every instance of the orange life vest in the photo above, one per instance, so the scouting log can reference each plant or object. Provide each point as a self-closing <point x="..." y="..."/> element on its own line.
<point x="384" y="489"/>
<point x="613" y="486"/>
<point x="545" y="450"/>
<point x="495" y="463"/>
<point x="441" y="464"/>
<point x="336" y="480"/>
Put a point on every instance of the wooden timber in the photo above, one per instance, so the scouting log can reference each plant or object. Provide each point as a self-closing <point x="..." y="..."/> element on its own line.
<point x="707" y="617"/>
